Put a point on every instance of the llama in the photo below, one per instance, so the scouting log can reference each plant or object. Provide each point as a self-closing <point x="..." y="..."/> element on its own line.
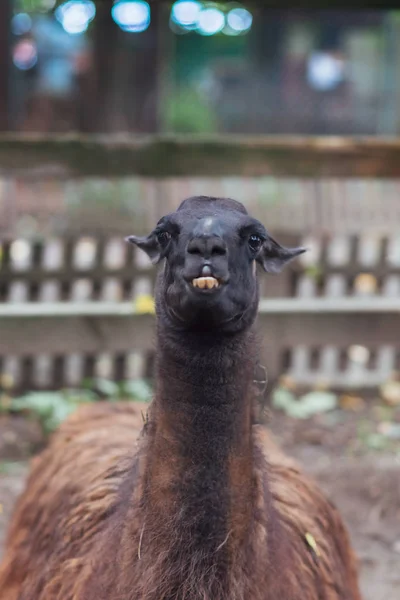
<point x="202" y="505"/>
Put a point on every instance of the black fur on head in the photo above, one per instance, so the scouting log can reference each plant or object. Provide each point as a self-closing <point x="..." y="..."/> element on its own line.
<point x="210" y="246"/>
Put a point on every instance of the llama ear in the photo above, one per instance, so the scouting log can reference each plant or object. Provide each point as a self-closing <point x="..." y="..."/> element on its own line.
<point x="273" y="257"/>
<point x="148" y="244"/>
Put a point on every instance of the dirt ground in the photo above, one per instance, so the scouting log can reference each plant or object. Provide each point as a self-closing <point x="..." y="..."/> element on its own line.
<point x="363" y="482"/>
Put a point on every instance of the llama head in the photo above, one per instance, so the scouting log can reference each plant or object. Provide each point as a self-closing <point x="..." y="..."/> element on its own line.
<point x="210" y="247"/>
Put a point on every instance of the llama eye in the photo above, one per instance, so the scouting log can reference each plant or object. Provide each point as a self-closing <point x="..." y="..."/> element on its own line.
<point x="255" y="242"/>
<point x="163" y="238"/>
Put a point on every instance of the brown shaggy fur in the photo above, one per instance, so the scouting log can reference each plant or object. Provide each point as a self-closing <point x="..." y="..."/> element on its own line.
<point x="71" y="505"/>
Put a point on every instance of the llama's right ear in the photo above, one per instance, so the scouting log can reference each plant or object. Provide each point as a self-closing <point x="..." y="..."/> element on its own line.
<point x="273" y="256"/>
<point x="148" y="244"/>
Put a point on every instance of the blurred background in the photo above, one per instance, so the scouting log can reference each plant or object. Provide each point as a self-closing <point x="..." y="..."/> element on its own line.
<point x="192" y="66"/>
<point x="76" y="303"/>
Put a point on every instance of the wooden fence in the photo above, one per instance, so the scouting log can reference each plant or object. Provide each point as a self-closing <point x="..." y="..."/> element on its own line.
<point x="294" y="205"/>
<point x="73" y="297"/>
<point x="74" y="308"/>
<point x="80" y="283"/>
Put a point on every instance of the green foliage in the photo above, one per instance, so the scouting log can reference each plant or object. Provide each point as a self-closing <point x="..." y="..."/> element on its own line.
<point x="306" y="406"/>
<point x="52" y="408"/>
<point x="9" y="467"/>
<point x="314" y="271"/>
<point x="383" y="437"/>
<point x="137" y="389"/>
<point x="188" y="112"/>
<point x="105" y="388"/>
<point x="32" y="6"/>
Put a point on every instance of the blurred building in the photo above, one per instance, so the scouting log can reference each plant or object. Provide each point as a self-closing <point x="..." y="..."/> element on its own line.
<point x="192" y="66"/>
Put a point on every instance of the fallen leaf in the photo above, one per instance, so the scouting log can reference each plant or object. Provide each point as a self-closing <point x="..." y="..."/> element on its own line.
<point x="353" y="403"/>
<point x="366" y="283"/>
<point x="318" y="402"/>
<point x="312" y="543"/>
<point x="389" y="430"/>
<point x="376" y="441"/>
<point x="6" y="381"/>
<point x="390" y="392"/>
<point x="144" y="304"/>
<point x="282" y="398"/>
<point x="305" y="406"/>
<point x="287" y="382"/>
<point x="321" y="385"/>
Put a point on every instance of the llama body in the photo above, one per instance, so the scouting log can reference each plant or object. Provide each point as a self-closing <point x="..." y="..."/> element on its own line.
<point x="202" y="505"/>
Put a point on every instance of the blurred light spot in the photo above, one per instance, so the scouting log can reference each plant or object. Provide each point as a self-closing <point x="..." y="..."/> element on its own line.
<point x="178" y="29"/>
<point x="6" y="381"/>
<point x="20" y="251"/>
<point x="210" y="21"/>
<point x="81" y="290"/>
<point x="239" y="20"/>
<point x="114" y="254"/>
<point x="133" y="16"/>
<point x="25" y="55"/>
<point x="365" y="283"/>
<point x="84" y="253"/>
<point x="393" y="251"/>
<point x="186" y="13"/>
<point x="144" y="304"/>
<point x="75" y="15"/>
<point x="324" y="71"/>
<point x="21" y="23"/>
<point x="359" y="354"/>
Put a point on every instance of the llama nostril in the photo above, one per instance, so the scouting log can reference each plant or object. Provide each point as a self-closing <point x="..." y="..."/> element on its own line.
<point x="218" y="249"/>
<point x="194" y="250"/>
<point x="196" y="246"/>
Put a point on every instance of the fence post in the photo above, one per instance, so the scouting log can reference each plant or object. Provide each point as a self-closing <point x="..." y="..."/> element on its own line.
<point x="5" y="16"/>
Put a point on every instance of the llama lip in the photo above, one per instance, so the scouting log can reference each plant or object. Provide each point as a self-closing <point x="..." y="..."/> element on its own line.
<point x="205" y="283"/>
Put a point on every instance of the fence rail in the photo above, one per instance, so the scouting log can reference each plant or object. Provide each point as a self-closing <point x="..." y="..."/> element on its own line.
<point x="97" y="206"/>
<point x="72" y="156"/>
<point x="43" y="338"/>
<point x="71" y="307"/>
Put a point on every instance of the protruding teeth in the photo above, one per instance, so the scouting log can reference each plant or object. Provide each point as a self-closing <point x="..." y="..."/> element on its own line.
<point x="205" y="282"/>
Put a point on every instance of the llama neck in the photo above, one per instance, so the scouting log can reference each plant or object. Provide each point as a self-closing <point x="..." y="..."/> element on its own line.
<point x="199" y="464"/>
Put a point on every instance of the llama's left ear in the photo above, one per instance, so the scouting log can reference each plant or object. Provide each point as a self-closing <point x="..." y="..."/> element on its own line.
<point x="273" y="257"/>
<point x="148" y="244"/>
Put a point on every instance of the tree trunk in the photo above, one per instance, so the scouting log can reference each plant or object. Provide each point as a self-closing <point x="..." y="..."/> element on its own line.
<point x="147" y="71"/>
<point x="96" y="107"/>
<point x="140" y="89"/>
<point x="5" y="16"/>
